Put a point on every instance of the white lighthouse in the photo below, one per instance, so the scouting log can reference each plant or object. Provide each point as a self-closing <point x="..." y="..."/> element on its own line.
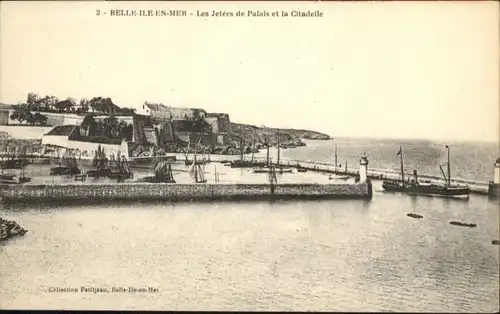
<point x="363" y="168"/>
<point x="494" y="186"/>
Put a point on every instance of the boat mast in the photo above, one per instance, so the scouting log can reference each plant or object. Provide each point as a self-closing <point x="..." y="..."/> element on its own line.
<point x="241" y="143"/>
<point x="194" y="164"/>
<point x="267" y="145"/>
<point x="449" y="172"/>
<point x="402" y="168"/>
<point x="278" y="161"/>
<point x="253" y="147"/>
<point x="335" y="169"/>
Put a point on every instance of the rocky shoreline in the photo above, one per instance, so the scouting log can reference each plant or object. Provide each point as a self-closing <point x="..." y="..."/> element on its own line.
<point x="9" y="229"/>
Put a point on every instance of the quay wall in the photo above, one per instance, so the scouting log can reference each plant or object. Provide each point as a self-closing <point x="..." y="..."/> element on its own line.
<point x="177" y="192"/>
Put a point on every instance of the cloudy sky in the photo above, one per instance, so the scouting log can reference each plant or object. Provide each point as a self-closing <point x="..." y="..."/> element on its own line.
<point x="408" y="70"/>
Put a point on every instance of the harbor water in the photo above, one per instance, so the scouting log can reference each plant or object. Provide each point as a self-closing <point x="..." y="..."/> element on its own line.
<point x="341" y="255"/>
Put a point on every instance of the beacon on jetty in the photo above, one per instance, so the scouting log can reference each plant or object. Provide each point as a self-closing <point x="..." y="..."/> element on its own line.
<point x="494" y="186"/>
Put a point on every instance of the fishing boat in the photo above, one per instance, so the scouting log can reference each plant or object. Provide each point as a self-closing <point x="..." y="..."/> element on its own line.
<point x="196" y="172"/>
<point x="162" y="173"/>
<point x="15" y="161"/>
<point x="462" y="224"/>
<point x="100" y="164"/>
<point x="338" y="177"/>
<point x="300" y="169"/>
<point x="120" y="168"/>
<point x="187" y="162"/>
<point x="335" y="175"/>
<point x="416" y="187"/>
<point x="413" y="215"/>
<point x="216" y="174"/>
<point x="241" y="163"/>
<point x="67" y="164"/>
<point x="12" y="178"/>
<point x="272" y="169"/>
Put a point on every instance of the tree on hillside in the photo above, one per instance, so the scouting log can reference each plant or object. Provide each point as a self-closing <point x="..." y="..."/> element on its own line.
<point x="22" y="113"/>
<point x="39" y="118"/>
<point x="84" y="105"/>
<point x="101" y="104"/>
<point x="47" y="103"/>
<point x="198" y="124"/>
<point x="65" y="105"/>
<point x="32" y="100"/>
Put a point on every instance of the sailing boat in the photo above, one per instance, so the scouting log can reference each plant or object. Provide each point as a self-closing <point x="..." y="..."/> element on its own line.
<point x="162" y="172"/>
<point x="14" y="162"/>
<point x="100" y="164"/>
<point x="67" y="164"/>
<point x="186" y="153"/>
<point x="278" y="165"/>
<point x="241" y="163"/>
<point x="196" y="172"/>
<point x="423" y="188"/>
<point x="119" y="168"/>
<point x="216" y="174"/>
<point x="273" y="180"/>
<point x="10" y="178"/>
<point x="335" y="176"/>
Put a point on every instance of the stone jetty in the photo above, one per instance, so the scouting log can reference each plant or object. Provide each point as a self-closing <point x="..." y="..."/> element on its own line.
<point x="65" y="193"/>
<point x="9" y="229"/>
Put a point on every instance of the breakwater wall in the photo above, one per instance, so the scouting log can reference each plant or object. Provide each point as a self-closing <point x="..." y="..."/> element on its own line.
<point x="181" y="192"/>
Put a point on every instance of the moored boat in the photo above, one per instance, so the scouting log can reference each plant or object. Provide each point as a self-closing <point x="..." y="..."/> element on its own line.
<point x="162" y="173"/>
<point x="100" y="164"/>
<point x="301" y="169"/>
<point x="119" y="168"/>
<point x="67" y="165"/>
<point x="416" y="187"/>
<point x="270" y="169"/>
<point x="13" y="163"/>
<point x="414" y="215"/>
<point x="13" y="179"/>
<point x="458" y="223"/>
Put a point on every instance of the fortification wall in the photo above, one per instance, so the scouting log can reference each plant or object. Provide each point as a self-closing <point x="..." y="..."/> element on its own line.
<point x="53" y="118"/>
<point x="87" y="148"/>
<point x="177" y="192"/>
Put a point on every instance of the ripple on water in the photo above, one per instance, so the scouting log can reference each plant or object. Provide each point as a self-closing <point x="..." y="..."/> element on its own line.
<point x="321" y="256"/>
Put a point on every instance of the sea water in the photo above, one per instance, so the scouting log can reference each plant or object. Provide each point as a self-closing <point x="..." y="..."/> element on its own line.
<point x="348" y="255"/>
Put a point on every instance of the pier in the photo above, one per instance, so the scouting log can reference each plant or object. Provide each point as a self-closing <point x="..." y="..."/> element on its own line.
<point x="476" y="187"/>
<point x="181" y="192"/>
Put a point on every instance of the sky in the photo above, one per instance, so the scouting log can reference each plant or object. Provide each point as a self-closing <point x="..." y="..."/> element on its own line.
<point x="427" y="70"/>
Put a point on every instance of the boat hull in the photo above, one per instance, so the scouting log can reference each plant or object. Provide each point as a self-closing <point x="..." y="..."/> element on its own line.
<point x="155" y="180"/>
<point x="427" y="189"/>
<point x="121" y="175"/>
<point x="13" y="163"/>
<point x="267" y="170"/>
<point x="57" y="171"/>
<point x="98" y="173"/>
